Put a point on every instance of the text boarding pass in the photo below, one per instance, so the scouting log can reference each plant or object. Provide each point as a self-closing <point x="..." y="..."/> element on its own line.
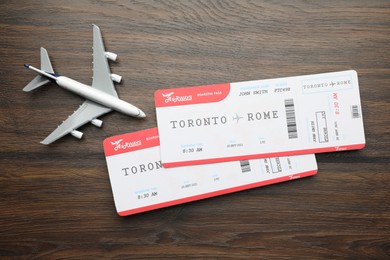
<point x="140" y="183"/>
<point x="258" y="119"/>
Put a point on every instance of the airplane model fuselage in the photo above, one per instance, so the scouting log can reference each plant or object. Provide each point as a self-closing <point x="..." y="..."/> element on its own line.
<point x="101" y="97"/>
<point x="91" y="93"/>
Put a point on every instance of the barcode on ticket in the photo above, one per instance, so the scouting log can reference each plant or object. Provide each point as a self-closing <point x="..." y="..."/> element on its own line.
<point x="355" y="111"/>
<point x="290" y="117"/>
<point x="245" y="166"/>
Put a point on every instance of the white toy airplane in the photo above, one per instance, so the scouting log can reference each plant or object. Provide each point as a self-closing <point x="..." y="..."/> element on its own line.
<point x="101" y="97"/>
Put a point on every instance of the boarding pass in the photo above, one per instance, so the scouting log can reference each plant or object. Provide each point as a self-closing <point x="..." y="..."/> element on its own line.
<point x="258" y="119"/>
<point x="140" y="183"/>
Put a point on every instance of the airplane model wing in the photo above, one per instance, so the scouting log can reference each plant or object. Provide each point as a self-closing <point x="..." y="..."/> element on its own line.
<point x="87" y="112"/>
<point x="101" y="78"/>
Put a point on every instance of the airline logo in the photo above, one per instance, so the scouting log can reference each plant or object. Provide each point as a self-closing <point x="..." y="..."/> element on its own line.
<point x="119" y="145"/>
<point x="169" y="97"/>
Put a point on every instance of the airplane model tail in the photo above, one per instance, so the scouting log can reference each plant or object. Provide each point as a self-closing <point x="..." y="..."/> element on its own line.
<point x="45" y="72"/>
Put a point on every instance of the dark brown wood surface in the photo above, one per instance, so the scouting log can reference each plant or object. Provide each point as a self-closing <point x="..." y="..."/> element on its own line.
<point x="56" y="201"/>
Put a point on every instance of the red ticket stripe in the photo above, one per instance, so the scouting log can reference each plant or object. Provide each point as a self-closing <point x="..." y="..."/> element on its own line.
<point x="216" y="193"/>
<point x="191" y="95"/>
<point x="131" y="142"/>
<point x="265" y="155"/>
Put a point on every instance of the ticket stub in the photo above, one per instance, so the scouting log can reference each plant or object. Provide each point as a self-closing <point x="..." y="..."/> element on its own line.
<point x="140" y="183"/>
<point x="258" y="119"/>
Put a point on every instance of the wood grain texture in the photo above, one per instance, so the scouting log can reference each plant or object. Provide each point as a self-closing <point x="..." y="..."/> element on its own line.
<point x="56" y="201"/>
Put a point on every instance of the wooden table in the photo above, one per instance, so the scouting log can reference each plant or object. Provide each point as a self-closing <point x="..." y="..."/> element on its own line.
<point x="56" y="201"/>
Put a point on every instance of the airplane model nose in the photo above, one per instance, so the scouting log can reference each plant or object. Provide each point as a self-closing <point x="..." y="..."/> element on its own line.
<point x="141" y="114"/>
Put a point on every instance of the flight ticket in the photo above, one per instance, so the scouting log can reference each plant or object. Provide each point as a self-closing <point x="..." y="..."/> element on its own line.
<point x="261" y="118"/>
<point x="140" y="182"/>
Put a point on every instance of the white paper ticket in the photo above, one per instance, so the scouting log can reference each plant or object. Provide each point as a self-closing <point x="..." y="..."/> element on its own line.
<point x="258" y="119"/>
<point x="140" y="183"/>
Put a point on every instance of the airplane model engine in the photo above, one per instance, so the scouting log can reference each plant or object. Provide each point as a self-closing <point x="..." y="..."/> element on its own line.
<point x="97" y="122"/>
<point x="117" y="78"/>
<point x="110" y="55"/>
<point x="77" y="134"/>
